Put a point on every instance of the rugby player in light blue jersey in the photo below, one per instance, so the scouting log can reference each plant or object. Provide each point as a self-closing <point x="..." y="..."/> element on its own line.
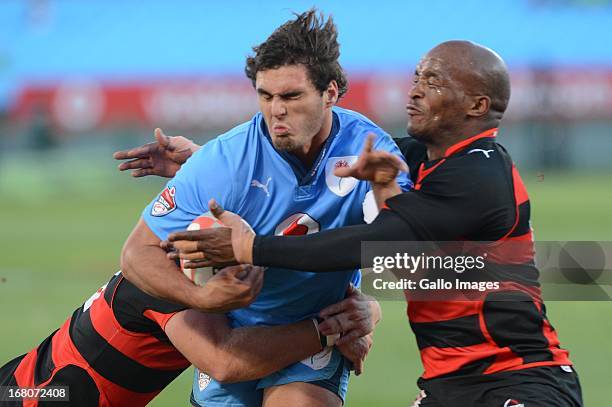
<point x="277" y="172"/>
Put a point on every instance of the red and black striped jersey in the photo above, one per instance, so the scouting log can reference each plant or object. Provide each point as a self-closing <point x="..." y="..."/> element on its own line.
<point x="474" y="193"/>
<point x="117" y="337"/>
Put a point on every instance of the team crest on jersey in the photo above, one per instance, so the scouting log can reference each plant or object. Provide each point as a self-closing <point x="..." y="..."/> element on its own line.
<point x="203" y="380"/>
<point x="513" y="403"/>
<point x="165" y="202"/>
<point x="338" y="185"/>
<point x="296" y="225"/>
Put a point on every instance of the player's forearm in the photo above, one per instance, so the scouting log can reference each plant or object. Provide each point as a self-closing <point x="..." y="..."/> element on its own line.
<point x="248" y="353"/>
<point x="145" y="264"/>
<point x="382" y="192"/>
<point x="255" y="352"/>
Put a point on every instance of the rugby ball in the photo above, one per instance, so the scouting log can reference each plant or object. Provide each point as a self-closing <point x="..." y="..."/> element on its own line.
<point x="201" y="275"/>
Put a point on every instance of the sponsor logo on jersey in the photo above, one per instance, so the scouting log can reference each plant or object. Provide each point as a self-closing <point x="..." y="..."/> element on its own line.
<point x="296" y="225"/>
<point x="165" y="203"/>
<point x="513" y="403"/>
<point x="339" y="185"/>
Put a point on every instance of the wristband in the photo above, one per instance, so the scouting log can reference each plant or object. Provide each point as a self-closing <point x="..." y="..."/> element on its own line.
<point x="326" y="340"/>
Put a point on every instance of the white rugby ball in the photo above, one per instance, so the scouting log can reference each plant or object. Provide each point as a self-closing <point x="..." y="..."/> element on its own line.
<point x="201" y="275"/>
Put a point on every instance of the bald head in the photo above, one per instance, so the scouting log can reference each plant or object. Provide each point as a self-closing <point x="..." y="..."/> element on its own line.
<point x="480" y="71"/>
<point x="459" y="89"/>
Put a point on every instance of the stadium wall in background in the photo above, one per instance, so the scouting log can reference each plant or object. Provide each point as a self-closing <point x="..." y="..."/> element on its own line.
<point x="74" y="69"/>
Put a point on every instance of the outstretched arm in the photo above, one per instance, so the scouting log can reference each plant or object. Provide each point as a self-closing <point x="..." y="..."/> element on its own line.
<point x="326" y="251"/>
<point x="163" y="157"/>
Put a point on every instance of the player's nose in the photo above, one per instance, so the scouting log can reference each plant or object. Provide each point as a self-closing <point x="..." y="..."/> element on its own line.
<point x="278" y="107"/>
<point x="415" y="92"/>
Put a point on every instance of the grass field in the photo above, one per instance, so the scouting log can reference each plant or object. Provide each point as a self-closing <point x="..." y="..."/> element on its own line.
<point x="64" y="221"/>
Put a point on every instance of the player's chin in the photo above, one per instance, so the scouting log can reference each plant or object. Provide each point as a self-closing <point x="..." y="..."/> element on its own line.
<point x="283" y="143"/>
<point x="414" y="129"/>
<point x="422" y="135"/>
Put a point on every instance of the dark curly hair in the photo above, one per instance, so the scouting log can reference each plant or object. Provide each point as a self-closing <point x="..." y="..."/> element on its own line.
<point x="308" y="40"/>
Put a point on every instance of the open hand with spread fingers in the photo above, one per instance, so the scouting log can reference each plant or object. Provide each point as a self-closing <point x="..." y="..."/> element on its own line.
<point x="163" y="157"/>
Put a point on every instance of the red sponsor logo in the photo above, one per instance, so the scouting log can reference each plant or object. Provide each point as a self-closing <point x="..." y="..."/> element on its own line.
<point x="296" y="225"/>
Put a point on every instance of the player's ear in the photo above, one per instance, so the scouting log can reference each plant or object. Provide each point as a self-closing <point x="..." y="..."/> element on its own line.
<point x="330" y="95"/>
<point x="479" y="105"/>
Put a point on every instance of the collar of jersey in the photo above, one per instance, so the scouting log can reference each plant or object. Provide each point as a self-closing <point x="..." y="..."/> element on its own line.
<point x="306" y="175"/>
<point x="491" y="133"/>
<point x="455" y="148"/>
<point x="427" y="167"/>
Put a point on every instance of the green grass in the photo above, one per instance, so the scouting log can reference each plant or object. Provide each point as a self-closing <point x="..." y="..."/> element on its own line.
<point x="62" y="232"/>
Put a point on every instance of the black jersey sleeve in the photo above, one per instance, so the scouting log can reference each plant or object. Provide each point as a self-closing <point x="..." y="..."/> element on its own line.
<point x="466" y="198"/>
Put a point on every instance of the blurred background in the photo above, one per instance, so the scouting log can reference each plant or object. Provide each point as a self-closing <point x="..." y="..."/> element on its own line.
<point x="79" y="80"/>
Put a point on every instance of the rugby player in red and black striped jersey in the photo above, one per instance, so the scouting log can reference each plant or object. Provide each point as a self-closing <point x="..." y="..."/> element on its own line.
<point x="123" y="346"/>
<point x="499" y="349"/>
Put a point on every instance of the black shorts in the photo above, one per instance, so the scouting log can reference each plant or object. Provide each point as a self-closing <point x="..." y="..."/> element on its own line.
<point x="544" y="386"/>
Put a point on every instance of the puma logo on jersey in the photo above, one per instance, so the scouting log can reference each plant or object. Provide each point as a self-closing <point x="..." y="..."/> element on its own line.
<point x="480" y="150"/>
<point x="258" y="184"/>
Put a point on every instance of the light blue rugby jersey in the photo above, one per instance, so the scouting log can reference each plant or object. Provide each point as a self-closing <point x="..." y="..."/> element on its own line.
<point x="274" y="193"/>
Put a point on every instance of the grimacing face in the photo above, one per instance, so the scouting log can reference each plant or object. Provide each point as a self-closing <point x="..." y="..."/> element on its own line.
<point x="436" y="101"/>
<point x="294" y="110"/>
